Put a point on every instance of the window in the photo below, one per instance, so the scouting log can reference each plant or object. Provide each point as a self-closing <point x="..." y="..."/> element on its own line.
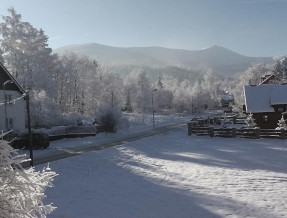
<point x="272" y="81"/>
<point x="265" y="118"/>
<point x="280" y="109"/>
<point x="8" y="99"/>
<point x="10" y="123"/>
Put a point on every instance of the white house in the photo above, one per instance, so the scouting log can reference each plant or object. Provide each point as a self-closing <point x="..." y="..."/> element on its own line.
<point x="12" y="102"/>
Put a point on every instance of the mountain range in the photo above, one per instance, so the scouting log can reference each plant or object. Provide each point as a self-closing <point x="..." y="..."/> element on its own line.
<point x="221" y="60"/>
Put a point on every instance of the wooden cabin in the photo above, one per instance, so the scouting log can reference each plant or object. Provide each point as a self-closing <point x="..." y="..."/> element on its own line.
<point x="267" y="103"/>
<point x="270" y="79"/>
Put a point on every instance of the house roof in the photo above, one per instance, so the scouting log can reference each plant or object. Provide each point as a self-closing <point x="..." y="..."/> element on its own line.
<point x="261" y="98"/>
<point x="5" y="76"/>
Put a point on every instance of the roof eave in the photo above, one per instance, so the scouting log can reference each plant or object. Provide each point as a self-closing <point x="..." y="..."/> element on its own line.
<point x="21" y="90"/>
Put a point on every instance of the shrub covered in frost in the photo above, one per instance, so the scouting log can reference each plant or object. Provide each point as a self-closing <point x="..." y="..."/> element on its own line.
<point x="22" y="190"/>
<point x="110" y="118"/>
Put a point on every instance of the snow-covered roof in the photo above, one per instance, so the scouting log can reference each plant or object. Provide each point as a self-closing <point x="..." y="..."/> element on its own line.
<point x="261" y="98"/>
<point x="10" y="77"/>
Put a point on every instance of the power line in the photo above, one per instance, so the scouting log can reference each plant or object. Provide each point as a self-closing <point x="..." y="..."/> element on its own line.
<point x="13" y="100"/>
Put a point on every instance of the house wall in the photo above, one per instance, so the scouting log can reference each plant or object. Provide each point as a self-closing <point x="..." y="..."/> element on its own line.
<point x="272" y="81"/>
<point x="15" y="111"/>
<point x="271" y="122"/>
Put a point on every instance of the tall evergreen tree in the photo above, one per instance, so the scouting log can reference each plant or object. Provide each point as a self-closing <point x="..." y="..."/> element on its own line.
<point x="26" y="53"/>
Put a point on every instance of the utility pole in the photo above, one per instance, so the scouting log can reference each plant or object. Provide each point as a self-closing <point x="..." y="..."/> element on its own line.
<point x="29" y="129"/>
<point x="153" y="111"/>
<point x="5" y="102"/>
<point x="112" y="98"/>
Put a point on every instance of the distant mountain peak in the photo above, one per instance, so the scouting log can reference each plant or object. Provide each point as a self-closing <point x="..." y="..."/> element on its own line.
<point x="217" y="48"/>
<point x="209" y="47"/>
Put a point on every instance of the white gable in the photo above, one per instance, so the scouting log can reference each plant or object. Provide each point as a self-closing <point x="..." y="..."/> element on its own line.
<point x="261" y="98"/>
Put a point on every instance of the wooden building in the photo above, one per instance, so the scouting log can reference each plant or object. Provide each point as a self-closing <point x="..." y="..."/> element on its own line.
<point x="270" y="79"/>
<point x="267" y="103"/>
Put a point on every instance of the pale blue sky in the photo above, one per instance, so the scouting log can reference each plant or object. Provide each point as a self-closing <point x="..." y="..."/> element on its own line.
<point x="249" y="27"/>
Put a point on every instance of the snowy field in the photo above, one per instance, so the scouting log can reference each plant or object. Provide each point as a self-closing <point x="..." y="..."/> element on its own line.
<point x="174" y="175"/>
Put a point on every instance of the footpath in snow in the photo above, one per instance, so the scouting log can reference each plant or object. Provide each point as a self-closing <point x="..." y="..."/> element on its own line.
<point x="174" y="175"/>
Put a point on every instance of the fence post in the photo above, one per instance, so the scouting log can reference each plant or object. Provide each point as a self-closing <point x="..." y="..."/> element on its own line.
<point x="189" y="128"/>
<point x="233" y="132"/>
<point x="282" y="133"/>
<point x="234" y="119"/>
<point x="211" y="132"/>
<point x="257" y="133"/>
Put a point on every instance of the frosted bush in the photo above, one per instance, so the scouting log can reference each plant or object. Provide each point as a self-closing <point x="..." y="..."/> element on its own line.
<point x="111" y="118"/>
<point x="22" y="190"/>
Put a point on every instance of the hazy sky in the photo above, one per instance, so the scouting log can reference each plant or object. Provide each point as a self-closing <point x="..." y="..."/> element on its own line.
<point x="249" y="27"/>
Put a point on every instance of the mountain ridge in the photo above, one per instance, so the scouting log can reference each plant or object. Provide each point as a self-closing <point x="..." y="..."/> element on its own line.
<point x="221" y="60"/>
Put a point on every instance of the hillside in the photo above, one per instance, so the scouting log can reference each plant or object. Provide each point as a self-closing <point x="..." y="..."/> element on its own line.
<point x="219" y="59"/>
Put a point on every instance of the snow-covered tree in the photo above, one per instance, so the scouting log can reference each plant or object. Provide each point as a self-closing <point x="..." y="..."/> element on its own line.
<point x="138" y="87"/>
<point x="22" y="190"/>
<point x="282" y="124"/>
<point x="280" y="68"/>
<point x="26" y="53"/>
<point x="252" y="76"/>
<point x="44" y="113"/>
<point x="250" y="121"/>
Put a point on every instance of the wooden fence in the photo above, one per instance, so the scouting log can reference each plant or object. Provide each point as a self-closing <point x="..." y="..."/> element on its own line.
<point x="233" y="132"/>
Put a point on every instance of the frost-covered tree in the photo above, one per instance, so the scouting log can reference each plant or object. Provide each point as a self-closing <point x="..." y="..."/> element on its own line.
<point x="280" y="68"/>
<point x="26" y="53"/>
<point x="282" y="124"/>
<point x="22" y="190"/>
<point x="111" y="89"/>
<point x="182" y="95"/>
<point x="252" y="76"/>
<point x="83" y="85"/>
<point x="250" y="121"/>
<point x="138" y="87"/>
<point x="210" y="88"/>
<point x="163" y="95"/>
<point x="44" y="113"/>
<point x="73" y="80"/>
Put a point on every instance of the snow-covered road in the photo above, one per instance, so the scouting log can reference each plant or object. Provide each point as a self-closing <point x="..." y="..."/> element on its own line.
<point x="79" y="146"/>
<point x="175" y="175"/>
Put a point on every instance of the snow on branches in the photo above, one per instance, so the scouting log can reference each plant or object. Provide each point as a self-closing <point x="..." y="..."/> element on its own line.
<point x="282" y="124"/>
<point x="250" y="121"/>
<point x="22" y="190"/>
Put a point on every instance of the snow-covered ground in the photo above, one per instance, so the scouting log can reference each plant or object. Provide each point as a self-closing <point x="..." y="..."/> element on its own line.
<point x="138" y="123"/>
<point x="174" y="175"/>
